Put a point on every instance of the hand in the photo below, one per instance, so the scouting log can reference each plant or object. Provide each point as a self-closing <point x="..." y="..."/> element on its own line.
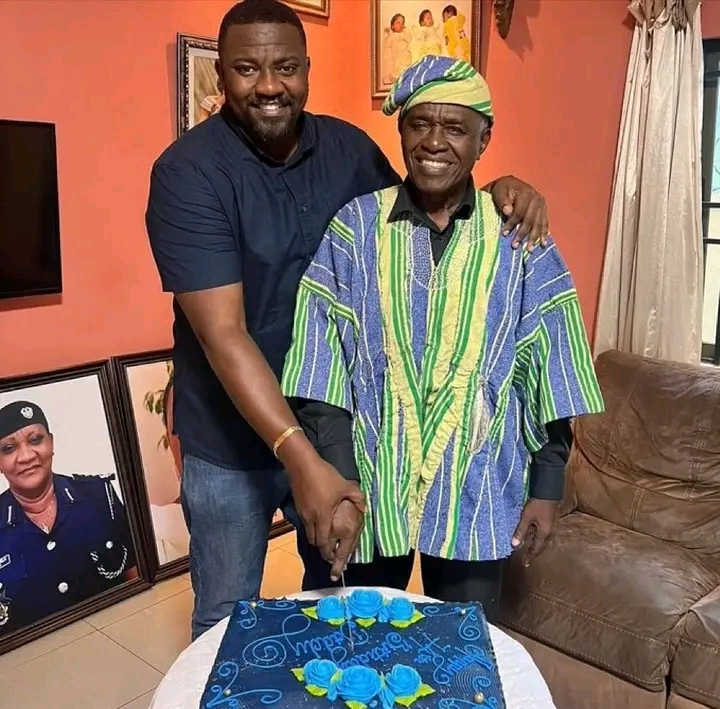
<point x="318" y="491"/>
<point x="524" y="207"/>
<point x="347" y="525"/>
<point x="536" y="527"/>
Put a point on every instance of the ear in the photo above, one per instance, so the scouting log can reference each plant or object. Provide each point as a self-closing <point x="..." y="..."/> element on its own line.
<point x="484" y="141"/>
<point x="308" y="63"/>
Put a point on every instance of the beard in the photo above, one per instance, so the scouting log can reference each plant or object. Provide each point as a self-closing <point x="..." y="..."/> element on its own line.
<point x="266" y="128"/>
<point x="269" y="130"/>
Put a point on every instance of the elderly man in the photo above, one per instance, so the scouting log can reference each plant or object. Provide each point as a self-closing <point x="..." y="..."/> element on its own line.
<point x="459" y="359"/>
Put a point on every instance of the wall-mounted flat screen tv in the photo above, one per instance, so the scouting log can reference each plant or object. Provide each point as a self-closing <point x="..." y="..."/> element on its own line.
<point x="30" y="262"/>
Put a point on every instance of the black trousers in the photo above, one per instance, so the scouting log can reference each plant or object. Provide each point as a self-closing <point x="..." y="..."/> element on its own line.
<point x="445" y="580"/>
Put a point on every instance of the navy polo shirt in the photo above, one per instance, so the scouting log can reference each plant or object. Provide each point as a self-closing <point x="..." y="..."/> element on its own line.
<point x="219" y="213"/>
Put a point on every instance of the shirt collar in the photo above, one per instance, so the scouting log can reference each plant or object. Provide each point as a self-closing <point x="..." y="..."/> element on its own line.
<point x="12" y="514"/>
<point x="305" y="127"/>
<point x="404" y="206"/>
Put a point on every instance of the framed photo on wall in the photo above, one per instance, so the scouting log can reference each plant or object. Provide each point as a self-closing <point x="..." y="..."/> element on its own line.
<point x="199" y="95"/>
<point x="71" y="530"/>
<point x="404" y="31"/>
<point x="316" y="8"/>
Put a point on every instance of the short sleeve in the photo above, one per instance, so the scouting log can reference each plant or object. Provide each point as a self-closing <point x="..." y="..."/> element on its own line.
<point x="554" y="369"/>
<point x="191" y="237"/>
<point x="320" y="361"/>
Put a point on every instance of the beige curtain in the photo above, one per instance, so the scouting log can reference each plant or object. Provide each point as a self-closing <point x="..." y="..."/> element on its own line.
<point x="652" y="284"/>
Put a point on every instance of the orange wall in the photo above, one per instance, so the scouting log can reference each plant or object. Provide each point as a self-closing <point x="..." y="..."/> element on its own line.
<point x="103" y="70"/>
<point x="711" y="19"/>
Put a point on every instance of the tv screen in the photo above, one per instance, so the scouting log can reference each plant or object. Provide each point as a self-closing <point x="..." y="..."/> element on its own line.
<point x="30" y="262"/>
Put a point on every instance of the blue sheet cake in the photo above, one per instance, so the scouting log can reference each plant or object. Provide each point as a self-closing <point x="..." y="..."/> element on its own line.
<point x="363" y="651"/>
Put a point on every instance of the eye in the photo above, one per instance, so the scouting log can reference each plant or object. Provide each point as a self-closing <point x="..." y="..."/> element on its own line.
<point x="245" y="70"/>
<point x="287" y="70"/>
<point x="7" y="449"/>
<point x="36" y="440"/>
<point x="454" y="131"/>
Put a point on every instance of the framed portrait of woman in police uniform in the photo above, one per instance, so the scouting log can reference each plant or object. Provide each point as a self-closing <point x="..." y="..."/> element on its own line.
<point x="71" y="537"/>
<point x="144" y="383"/>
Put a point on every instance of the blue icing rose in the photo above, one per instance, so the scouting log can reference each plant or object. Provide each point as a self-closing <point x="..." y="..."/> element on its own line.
<point x="319" y="673"/>
<point x="403" y="681"/>
<point x="365" y="604"/>
<point x="330" y="608"/>
<point x="400" y="609"/>
<point x="359" y="684"/>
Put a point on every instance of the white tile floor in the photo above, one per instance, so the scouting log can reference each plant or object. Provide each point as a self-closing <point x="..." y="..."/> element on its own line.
<point x="116" y="658"/>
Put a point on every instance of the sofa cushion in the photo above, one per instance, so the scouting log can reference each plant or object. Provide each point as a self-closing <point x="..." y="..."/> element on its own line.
<point x="606" y="595"/>
<point x="651" y="462"/>
<point x="695" y="671"/>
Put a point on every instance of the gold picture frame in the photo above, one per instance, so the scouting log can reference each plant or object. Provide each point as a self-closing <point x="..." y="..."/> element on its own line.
<point x="453" y="28"/>
<point x="316" y="8"/>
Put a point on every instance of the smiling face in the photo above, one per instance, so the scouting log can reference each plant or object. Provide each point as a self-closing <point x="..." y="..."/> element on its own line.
<point x="26" y="459"/>
<point x="441" y="144"/>
<point x="397" y="23"/>
<point x="264" y="74"/>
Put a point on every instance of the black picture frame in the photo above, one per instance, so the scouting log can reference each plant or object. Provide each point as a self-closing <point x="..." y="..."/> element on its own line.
<point x="127" y="479"/>
<point x="154" y="400"/>
<point x="193" y="52"/>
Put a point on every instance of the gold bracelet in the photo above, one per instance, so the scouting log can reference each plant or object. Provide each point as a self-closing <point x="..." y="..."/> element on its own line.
<point x="283" y="437"/>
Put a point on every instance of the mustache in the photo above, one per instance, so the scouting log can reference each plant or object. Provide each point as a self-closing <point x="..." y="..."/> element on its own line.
<point x="280" y="100"/>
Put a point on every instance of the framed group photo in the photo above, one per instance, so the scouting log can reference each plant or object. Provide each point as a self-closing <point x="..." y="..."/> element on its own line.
<point x="404" y="31"/>
<point x="71" y="526"/>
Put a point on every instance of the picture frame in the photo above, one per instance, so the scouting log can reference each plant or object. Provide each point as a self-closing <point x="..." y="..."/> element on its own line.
<point x="144" y="386"/>
<point x="398" y="38"/>
<point x="198" y="94"/>
<point x="314" y="8"/>
<point x="79" y="547"/>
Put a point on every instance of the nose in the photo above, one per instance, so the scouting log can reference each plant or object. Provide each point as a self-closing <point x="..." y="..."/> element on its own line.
<point x="26" y="453"/>
<point x="268" y="84"/>
<point x="434" y="141"/>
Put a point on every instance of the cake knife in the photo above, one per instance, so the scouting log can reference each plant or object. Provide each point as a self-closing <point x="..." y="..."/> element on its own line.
<point x="347" y="620"/>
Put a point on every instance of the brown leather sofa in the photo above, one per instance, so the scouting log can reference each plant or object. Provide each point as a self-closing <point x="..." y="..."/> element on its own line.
<point x="622" y="609"/>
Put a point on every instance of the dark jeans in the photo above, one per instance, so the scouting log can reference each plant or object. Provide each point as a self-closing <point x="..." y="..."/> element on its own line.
<point x="229" y="514"/>
<point x="445" y="580"/>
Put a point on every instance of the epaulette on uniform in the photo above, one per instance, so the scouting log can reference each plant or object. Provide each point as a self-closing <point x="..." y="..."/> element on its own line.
<point x="109" y="477"/>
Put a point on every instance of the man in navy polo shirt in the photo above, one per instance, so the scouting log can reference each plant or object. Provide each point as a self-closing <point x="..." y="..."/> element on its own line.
<point x="237" y="208"/>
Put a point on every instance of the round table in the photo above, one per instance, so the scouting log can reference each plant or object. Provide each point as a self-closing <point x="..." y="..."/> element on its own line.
<point x="184" y="684"/>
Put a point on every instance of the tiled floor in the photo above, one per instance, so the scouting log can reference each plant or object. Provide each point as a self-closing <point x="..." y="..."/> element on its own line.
<point x="117" y="657"/>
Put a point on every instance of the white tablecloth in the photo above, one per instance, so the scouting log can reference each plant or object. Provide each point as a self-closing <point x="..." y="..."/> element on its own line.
<point x="183" y="686"/>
